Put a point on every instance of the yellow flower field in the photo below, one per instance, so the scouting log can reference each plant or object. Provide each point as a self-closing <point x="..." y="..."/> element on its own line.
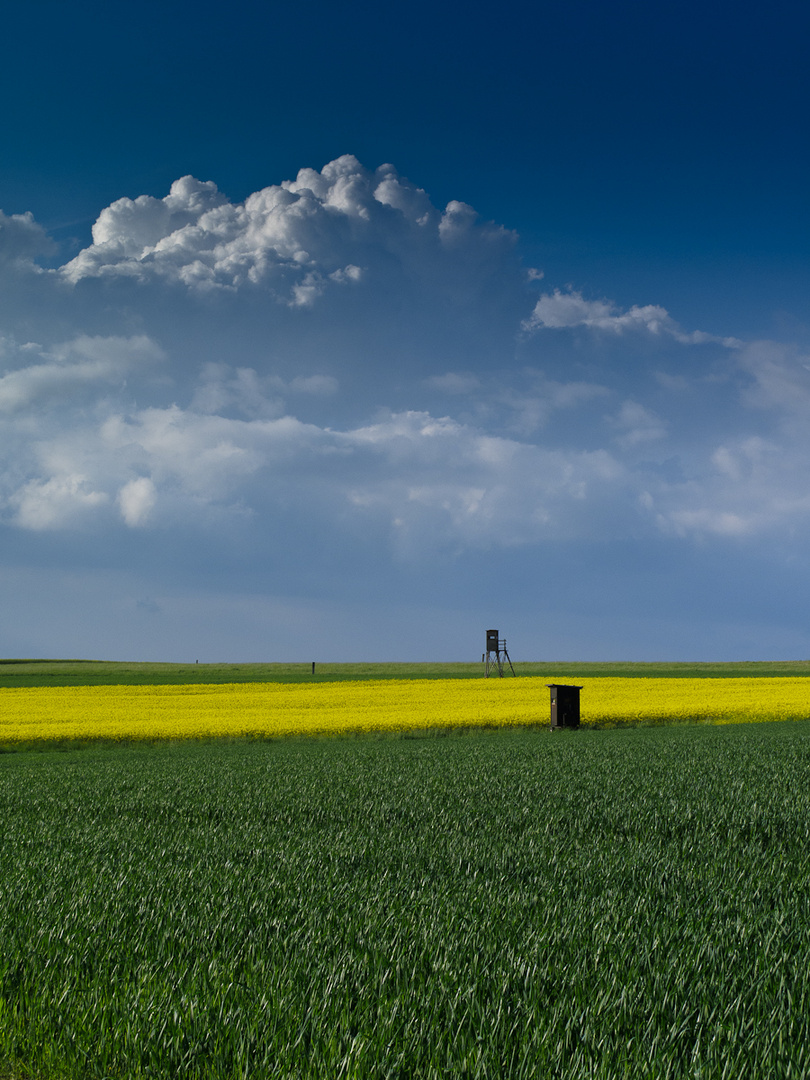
<point x="276" y="709"/>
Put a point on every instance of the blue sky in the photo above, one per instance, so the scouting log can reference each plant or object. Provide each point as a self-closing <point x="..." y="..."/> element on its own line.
<point x="346" y="333"/>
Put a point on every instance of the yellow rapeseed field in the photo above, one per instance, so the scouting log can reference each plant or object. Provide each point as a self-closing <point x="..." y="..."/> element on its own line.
<point x="277" y="709"/>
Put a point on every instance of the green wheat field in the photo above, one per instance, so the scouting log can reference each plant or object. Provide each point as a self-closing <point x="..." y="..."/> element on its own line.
<point x="609" y="903"/>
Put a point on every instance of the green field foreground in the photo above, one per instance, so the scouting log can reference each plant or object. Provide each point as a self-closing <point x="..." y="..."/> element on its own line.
<point x="113" y="672"/>
<point x="631" y="903"/>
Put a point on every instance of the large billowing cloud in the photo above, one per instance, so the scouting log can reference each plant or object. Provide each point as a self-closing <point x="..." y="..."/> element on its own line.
<point x="128" y="427"/>
<point x="295" y="240"/>
<point x="336" y="357"/>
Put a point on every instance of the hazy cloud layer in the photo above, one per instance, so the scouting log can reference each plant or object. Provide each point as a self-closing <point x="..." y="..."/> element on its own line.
<point x="59" y="373"/>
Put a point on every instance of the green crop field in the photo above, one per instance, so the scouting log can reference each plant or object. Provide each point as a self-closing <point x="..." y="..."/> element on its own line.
<point x="109" y="673"/>
<point x="608" y="904"/>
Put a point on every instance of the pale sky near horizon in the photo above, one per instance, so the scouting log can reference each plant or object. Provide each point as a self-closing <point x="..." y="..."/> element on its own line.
<point x="341" y="333"/>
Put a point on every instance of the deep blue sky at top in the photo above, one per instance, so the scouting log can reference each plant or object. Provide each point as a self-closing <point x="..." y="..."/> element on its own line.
<point x="625" y="141"/>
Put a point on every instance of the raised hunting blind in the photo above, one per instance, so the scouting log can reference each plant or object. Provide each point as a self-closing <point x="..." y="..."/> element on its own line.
<point x="496" y="654"/>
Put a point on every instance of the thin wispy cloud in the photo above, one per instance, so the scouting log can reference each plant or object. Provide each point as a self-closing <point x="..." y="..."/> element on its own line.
<point x="563" y="310"/>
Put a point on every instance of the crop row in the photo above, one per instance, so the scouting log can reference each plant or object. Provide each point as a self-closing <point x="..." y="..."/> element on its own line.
<point x="274" y="709"/>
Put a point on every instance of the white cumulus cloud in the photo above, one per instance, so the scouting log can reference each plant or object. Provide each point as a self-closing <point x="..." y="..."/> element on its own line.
<point x="136" y="500"/>
<point x="298" y="239"/>
<point x="55" y="503"/>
